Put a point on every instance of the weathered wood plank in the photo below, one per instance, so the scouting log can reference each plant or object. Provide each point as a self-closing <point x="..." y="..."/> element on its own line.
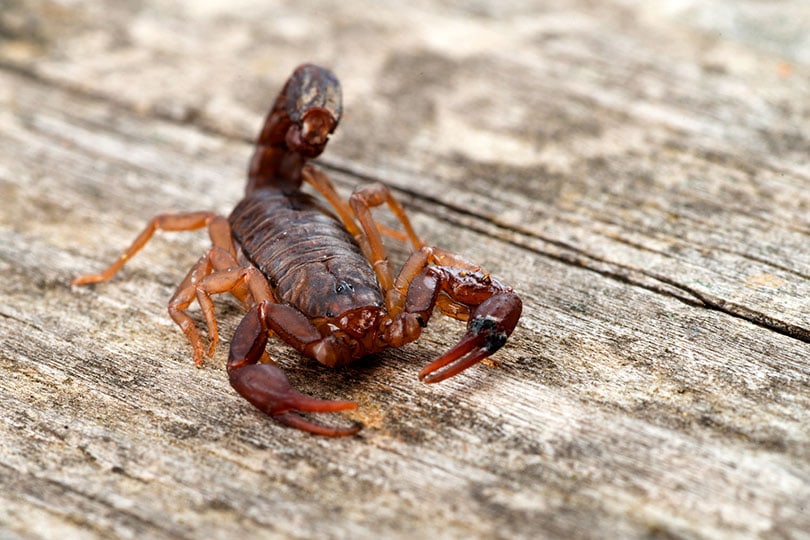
<point x="641" y="184"/>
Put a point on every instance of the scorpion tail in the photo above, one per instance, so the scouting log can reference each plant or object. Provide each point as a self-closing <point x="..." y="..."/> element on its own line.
<point x="297" y="128"/>
<point x="489" y="326"/>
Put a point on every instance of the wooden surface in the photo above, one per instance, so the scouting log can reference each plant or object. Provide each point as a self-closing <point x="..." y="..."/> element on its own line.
<point x="638" y="171"/>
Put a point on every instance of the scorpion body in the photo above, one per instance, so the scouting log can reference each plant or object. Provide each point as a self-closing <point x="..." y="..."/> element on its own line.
<point x="307" y="256"/>
<point x="321" y="281"/>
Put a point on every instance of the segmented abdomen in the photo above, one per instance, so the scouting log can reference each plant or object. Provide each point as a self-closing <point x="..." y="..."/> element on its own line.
<point x="308" y="257"/>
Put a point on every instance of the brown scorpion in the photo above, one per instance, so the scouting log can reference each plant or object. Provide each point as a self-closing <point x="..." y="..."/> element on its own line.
<point x="321" y="282"/>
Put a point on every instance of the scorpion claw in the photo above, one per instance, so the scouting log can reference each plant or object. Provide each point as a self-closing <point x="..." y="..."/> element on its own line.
<point x="269" y="390"/>
<point x="466" y="353"/>
<point x="489" y="326"/>
<point x="299" y="422"/>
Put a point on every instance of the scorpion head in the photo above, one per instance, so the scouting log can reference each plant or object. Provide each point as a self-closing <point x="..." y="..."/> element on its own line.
<point x="347" y="336"/>
<point x="360" y="322"/>
<point x="359" y="329"/>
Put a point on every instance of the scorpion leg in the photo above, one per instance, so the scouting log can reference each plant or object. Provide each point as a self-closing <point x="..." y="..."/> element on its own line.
<point x="377" y="194"/>
<point x="166" y="222"/>
<point x="318" y="180"/>
<point x="233" y="279"/>
<point x="362" y="201"/>
<point x="265" y="385"/>
<point x="220" y="256"/>
<point x="183" y="298"/>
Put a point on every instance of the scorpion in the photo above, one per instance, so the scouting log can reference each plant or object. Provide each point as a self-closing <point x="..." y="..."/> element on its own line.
<point x="320" y="280"/>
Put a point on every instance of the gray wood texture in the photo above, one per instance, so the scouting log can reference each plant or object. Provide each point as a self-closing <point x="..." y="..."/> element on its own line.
<point x="637" y="171"/>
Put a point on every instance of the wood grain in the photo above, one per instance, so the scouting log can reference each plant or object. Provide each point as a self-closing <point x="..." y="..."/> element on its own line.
<point x="638" y="173"/>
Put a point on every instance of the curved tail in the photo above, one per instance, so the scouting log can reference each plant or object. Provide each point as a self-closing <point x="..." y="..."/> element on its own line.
<point x="297" y="128"/>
